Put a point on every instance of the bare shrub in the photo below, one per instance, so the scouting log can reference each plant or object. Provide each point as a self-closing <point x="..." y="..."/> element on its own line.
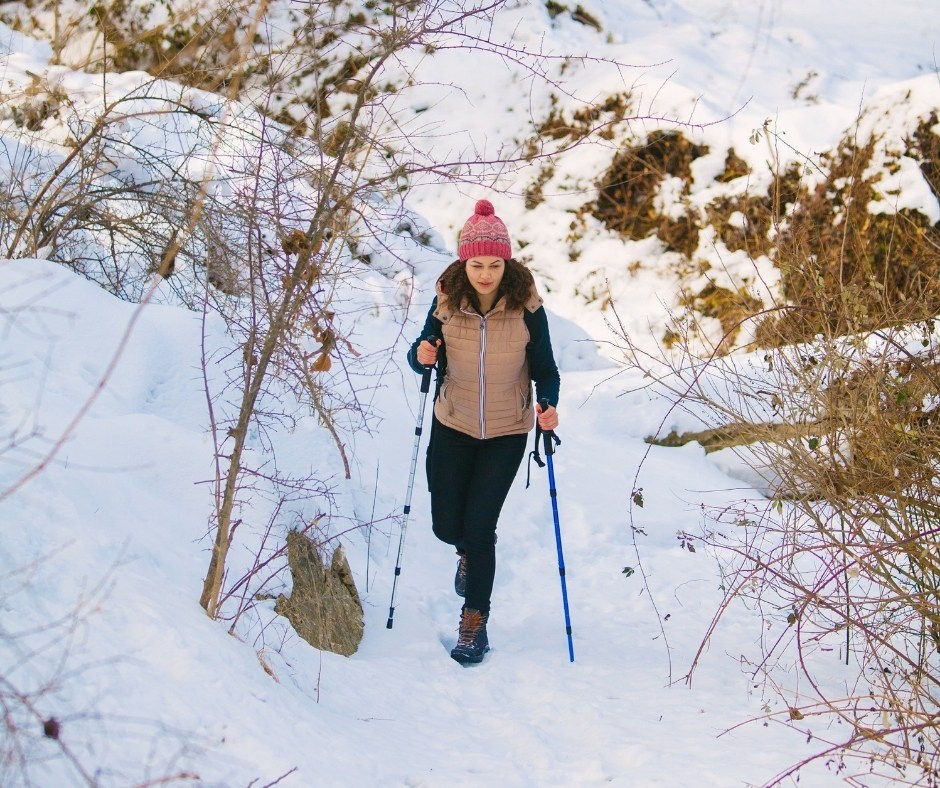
<point x="836" y="423"/>
<point x="840" y="556"/>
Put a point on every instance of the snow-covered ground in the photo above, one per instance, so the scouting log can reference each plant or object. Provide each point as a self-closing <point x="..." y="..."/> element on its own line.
<point x="113" y="529"/>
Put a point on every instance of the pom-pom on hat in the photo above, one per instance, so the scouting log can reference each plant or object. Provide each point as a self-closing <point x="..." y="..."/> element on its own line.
<point x="484" y="234"/>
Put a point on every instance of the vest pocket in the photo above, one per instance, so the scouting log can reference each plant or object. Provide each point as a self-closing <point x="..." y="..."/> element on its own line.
<point x="448" y="406"/>
<point x="525" y="403"/>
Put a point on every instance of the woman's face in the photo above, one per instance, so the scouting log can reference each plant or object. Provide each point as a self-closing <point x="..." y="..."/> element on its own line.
<point x="485" y="273"/>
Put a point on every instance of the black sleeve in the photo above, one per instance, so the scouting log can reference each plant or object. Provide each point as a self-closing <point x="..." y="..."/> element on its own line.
<point x="542" y="367"/>
<point x="432" y="327"/>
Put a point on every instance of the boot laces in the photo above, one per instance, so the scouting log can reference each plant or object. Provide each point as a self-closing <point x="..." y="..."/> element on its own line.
<point x="471" y="623"/>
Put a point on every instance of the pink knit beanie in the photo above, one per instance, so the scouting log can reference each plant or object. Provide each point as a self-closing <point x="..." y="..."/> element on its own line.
<point x="484" y="234"/>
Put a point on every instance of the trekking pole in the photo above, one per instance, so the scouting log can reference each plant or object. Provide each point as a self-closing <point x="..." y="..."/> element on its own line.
<point x="550" y="439"/>
<point x="425" y="387"/>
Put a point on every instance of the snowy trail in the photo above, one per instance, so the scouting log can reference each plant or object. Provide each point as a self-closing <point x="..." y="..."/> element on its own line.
<point x="119" y="521"/>
<point x="603" y="718"/>
<point x="115" y="527"/>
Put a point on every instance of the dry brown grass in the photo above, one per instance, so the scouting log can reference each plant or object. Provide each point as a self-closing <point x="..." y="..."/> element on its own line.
<point x="865" y="270"/>
<point x="627" y="193"/>
<point x="876" y="269"/>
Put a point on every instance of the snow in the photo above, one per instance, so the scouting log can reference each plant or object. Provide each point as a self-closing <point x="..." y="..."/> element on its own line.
<point x="105" y="549"/>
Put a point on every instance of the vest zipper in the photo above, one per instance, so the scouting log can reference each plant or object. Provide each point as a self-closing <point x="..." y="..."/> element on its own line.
<point x="482" y="369"/>
<point x="483" y="377"/>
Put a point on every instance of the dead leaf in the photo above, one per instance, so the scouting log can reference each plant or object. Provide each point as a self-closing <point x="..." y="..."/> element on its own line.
<point x="321" y="364"/>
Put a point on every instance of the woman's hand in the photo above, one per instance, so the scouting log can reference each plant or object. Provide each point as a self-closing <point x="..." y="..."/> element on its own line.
<point x="427" y="353"/>
<point x="548" y="418"/>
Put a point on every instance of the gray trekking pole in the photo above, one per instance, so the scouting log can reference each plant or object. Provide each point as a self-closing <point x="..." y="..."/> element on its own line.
<point x="425" y="387"/>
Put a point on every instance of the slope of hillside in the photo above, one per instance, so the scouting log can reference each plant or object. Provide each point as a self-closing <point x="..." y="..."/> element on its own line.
<point x="716" y="73"/>
<point x="105" y="550"/>
<point x="103" y="630"/>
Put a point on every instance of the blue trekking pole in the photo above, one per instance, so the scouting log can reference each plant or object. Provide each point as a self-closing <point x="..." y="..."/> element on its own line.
<point x="425" y="387"/>
<point x="550" y="439"/>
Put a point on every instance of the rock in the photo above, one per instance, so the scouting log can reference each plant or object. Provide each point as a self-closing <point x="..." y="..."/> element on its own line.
<point x="324" y="606"/>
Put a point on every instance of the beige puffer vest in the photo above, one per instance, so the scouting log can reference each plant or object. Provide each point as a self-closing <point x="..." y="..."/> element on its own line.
<point x="486" y="391"/>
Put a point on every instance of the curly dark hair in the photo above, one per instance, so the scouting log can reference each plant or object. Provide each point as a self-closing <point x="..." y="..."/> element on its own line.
<point x="515" y="287"/>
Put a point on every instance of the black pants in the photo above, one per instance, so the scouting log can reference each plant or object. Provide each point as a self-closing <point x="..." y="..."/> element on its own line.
<point x="469" y="480"/>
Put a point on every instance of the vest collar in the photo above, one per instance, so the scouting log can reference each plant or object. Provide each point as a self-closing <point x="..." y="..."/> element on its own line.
<point x="445" y="309"/>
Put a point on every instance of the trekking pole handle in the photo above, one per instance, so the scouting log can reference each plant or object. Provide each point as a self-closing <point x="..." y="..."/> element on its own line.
<point x="426" y="375"/>
<point x="547" y="435"/>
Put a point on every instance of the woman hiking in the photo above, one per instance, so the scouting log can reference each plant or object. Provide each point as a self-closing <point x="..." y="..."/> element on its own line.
<point x="487" y="332"/>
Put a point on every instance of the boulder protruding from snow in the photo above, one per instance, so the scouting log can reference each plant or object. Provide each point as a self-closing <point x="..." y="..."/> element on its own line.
<point x="324" y="606"/>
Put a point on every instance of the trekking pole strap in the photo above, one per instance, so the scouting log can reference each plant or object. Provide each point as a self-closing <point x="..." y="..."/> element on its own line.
<point x="551" y="440"/>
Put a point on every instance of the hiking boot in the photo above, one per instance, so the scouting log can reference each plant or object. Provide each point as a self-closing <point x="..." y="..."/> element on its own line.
<point x="472" y="642"/>
<point x="460" y="579"/>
